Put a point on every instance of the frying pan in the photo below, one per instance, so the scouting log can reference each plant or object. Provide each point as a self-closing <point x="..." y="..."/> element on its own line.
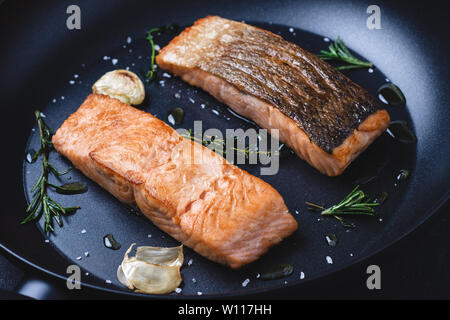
<point x="40" y="57"/>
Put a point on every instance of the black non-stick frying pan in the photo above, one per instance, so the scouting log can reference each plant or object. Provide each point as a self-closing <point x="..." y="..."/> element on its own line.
<point x="46" y="66"/>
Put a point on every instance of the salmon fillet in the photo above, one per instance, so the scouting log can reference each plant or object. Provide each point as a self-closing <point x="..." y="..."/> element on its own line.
<point x="217" y="209"/>
<point x="322" y="115"/>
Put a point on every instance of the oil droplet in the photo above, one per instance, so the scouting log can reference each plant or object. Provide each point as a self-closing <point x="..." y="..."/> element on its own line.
<point x="29" y="156"/>
<point x="331" y="239"/>
<point x="400" y="131"/>
<point x="390" y="94"/>
<point x="175" y="116"/>
<point x="401" y="176"/>
<point x="381" y="197"/>
<point x="277" y="272"/>
<point x="111" y="243"/>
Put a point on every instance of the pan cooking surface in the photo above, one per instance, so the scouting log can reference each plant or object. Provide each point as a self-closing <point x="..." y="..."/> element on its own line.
<point x="80" y="241"/>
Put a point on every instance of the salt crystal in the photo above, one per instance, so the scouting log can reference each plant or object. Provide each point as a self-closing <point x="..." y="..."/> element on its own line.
<point x="370" y="70"/>
<point x="162" y="83"/>
<point x="108" y="281"/>
<point x="78" y="258"/>
<point x="178" y="290"/>
<point x="190" y="262"/>
<point x="191" y="100"/>
<point x="326" y="39"/>
<point x="291" y="29"/>
<point x="46" y="241"/>
<point x="87" y="273"/>
<point x="203" y="106"/>
<point x="128" y="39"/>
<point x="157" y="47"/>
<point x="193" y="280"/>
<point x="199" y="293"/>
<point x="54" y="100"/>
<point x="29" y="158"/>
<point x="75" y="76"/>
<point x="245" y="282"/>
<point x="86" y="254"/>
<point x="166" y="75"/>
<point x="329" y="260"/>
<point x="72" y="82"/>
<point x="302" y="275"/>
<point x="177" y="95"/>
<point x="114" y="61"/>
<point x="149" y="236"/>
<point x="42" y="115"/>
<point x="106" y="58"/>
<point x="83" y="231"/>
<point x="258" y="276"/>
<point x="215" y="112"/>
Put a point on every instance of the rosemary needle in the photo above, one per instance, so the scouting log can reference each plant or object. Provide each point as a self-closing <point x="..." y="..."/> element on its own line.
<point x="338" y="51"/>
<point x="41" y="202"/>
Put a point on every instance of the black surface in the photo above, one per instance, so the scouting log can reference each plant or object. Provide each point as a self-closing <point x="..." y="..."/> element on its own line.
<point x="429" y="123"/>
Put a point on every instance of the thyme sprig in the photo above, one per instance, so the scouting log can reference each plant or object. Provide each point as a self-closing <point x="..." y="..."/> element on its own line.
<point x="41" y="202"/>
<point x="355" y="203"/>
<point x="339" y="52"/>
<point x="149" y="36"/>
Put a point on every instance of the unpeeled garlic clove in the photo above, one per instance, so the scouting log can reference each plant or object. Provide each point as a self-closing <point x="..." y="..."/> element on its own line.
<point x="121" y="84"/>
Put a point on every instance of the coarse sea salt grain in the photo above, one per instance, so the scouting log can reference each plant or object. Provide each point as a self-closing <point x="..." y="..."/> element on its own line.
<point x="157" y="47"/>
<point x="83" y="231"/>
<point x="326" y="39"/>
<point x="106" y="58"/>
<point x="370" y="70"/>
<point x="166" y="75"/>
<point x="75" y="76"/>
<point x="215" y="112"/>
<point x="191" y="100"/>
<point x="245" y="282"/>
<point x="190" y="262"/>
<point x="258" y="276"/>
<point x="86" y="254"/>
<point x="291" y="29"/>
<point x="302" y="275"/>
<point x="54" y="100"/>
<point x="114" y="61"/>
<point x="29" y="158"/>
<point x="108" y="281"/>
<point x="72" y="82"/>
<point x="199" y="293"/>
<point x="149" y="236"/>
<point x="178" y="290"/>
<point x="128" y="39"/>
<point x="78" y="258"/>
<point x="46" y="241"/>
<point x="194" y="280"/>
<point x="329" y="260"/>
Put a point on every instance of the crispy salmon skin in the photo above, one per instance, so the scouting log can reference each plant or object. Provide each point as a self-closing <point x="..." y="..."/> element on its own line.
<point x="322" y="115"/>
<point x="217" y="209"/>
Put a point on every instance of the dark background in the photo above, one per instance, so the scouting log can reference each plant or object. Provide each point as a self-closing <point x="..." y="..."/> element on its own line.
<point x="417" y="267"/>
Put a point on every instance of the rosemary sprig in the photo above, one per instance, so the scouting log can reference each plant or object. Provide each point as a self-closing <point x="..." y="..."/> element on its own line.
<point x="220" y="146"/>
<point x="355" y="203"/>
<point x="41" y="202"/>
<point x="149" y="36"/>
<point x="339" y="52"/>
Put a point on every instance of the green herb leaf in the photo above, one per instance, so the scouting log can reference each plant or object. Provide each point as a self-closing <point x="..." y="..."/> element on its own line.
<point x="71" y="188"/>
<point x="338" y="51"/>
<point x="355" y="203"/>
<point x="42" y="204"/>
<point x="149" y="36"/>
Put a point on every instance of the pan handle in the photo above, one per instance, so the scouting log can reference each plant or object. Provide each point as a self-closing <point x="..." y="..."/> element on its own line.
<point x="41" y="289"/>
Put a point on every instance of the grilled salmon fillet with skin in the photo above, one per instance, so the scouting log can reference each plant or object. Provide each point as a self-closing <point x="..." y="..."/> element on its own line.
<point x="217" y="209"/>
<point x="322" y="115"/>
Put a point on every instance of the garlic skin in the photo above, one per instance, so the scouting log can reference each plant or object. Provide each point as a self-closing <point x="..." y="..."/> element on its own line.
<point x="121" y="84"/>
<point x="153" y="270"/>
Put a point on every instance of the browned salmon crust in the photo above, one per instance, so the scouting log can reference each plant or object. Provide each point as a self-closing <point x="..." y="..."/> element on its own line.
<point x="217" y="209"/>
<point x="322" y="115"/>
